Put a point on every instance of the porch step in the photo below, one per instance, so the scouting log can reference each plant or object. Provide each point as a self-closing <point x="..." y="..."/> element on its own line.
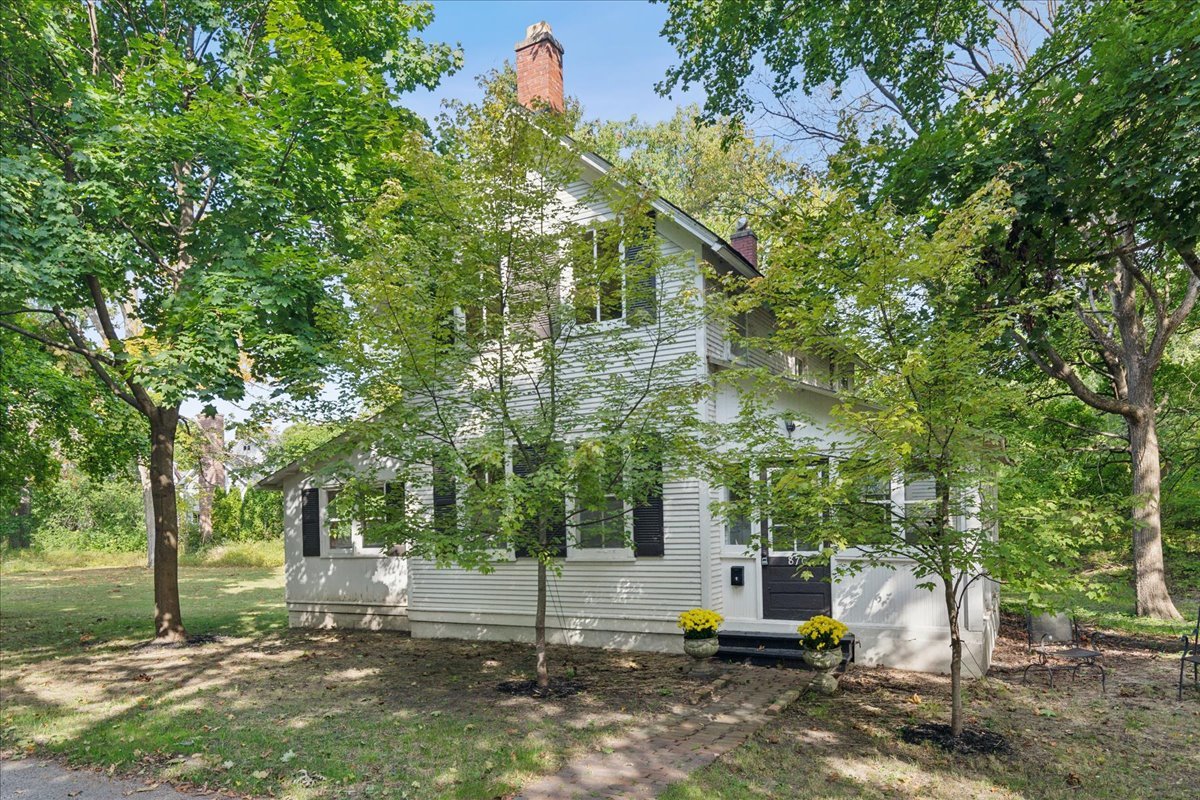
<point x="772" y="649"/>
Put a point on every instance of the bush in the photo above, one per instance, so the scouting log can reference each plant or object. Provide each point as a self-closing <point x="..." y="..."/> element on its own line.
<point x="251" y="516"/>
<point x="80" y="513"/>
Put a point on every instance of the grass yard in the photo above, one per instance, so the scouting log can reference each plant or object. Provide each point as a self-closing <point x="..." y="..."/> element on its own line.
<point x="270" y="711"/>
<point x="1136" y="742"/>
<point x="266" y="710"/>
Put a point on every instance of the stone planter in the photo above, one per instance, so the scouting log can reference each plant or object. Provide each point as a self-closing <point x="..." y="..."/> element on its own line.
<point x="701" y="649"/>
<point x="824" y="662"/>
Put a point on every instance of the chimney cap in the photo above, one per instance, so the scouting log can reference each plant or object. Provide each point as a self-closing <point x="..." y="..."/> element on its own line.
<point x="539" y="32"/>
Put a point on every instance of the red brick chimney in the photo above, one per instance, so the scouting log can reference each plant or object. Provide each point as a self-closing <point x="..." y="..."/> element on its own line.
<point x="539" y="69"/>
<point x="745" y="242"/>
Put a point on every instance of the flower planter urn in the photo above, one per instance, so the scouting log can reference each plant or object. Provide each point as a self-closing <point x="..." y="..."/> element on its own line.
<point x="824" y="662"/>
<point x="701" y="649"/>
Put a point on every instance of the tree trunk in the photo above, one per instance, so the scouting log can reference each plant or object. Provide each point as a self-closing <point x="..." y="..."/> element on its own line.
<point x="1150" y="579"/>
<point x="20" y="537"/>
<point x="148" y="512"/>
<point x="168" y="622"/>
<point x="539" y="629"/>
<point x="210" y="471"/>
<point x="956" y="720"/>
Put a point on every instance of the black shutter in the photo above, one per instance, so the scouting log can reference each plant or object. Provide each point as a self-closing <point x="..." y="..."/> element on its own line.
<point x="643" y="299"/>
<point x="445" y="501"/>
<point x="526" y="463"/>
<point x="310" y="522"/>
<point x="648" y="522"/>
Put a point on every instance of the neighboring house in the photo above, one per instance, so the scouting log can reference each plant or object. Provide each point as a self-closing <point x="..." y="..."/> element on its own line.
<point x="685" y="555"/>
<point x="246" y="457"/>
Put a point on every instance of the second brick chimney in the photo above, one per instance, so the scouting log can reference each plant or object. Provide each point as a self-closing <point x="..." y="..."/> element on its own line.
<point x="745" y="241"/>
<point x="539" y="69"/>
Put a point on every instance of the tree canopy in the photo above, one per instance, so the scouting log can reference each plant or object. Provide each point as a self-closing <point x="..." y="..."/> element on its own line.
<point x="179" y="181"/>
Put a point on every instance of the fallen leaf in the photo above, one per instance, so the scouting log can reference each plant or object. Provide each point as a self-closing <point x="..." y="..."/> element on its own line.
<point x="915" y="699"/>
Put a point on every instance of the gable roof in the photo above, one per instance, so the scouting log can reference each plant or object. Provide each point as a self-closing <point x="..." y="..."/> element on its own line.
<point x="720" y="248"/>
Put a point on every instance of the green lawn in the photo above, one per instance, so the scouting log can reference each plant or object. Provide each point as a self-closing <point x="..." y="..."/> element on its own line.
<point x="267" y="710"/>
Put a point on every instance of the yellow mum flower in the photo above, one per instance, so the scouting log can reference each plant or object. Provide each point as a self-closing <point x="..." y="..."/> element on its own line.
<point x="822" y="633"/>
<point x="700" y="623"/>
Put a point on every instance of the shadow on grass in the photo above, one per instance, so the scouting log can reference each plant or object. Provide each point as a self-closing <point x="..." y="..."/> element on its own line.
<point x="267" y="710"/>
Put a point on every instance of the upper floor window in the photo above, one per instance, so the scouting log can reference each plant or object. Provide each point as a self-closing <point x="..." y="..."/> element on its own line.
<point x="598" y="290"/>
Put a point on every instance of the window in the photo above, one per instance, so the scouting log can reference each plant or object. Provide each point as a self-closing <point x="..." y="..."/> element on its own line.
<point x="603" y="526"/>
<point x="796" y="366"/>
<point x="876" y="509"/>
<point x="598" y="279"/>
<point x="600" y="513"/>
<point x="483" y="319"/>
<point x="355" y="535"/>
<point x="738" y="346"/>
<point x="841" y="374"/>
<point x="340" y="530"/>
<point x="482" y="512"/>
<point x="738" y="529"/>
<point x="795" y="494"/>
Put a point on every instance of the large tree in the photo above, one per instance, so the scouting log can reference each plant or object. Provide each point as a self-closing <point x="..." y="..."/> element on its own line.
<point x="923" y="410"/>
<point x="718" y="172"/>
<point x="517" y="348"/>
<point x="177" y="180"/>
<point x="1091" y="110"/>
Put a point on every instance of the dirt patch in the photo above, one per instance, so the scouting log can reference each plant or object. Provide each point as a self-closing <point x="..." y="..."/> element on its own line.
<point x="875" y="738"/>
<point x="559" y="687"/>
<point x="198" y="640"/>
<point x="971" y="742"/>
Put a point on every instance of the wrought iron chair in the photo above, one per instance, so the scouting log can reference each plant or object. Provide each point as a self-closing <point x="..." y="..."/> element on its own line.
<point x="1191" y="655"/>
<point x="1057" y="637"/>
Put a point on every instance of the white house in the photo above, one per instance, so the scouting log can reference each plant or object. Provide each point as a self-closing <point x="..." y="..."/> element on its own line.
<point x="685" y="555"/>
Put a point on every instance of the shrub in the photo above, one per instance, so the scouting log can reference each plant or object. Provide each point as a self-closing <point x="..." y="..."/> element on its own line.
<point x="79" y="513"/>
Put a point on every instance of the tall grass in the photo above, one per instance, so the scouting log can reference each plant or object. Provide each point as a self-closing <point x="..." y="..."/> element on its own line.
<point x="240" y="554"/>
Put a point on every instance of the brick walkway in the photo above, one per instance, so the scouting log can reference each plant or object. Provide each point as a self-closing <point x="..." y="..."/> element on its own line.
<point x="643" y="762"/>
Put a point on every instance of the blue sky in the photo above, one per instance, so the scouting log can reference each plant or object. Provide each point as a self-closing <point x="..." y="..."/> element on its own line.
<point x="613" y="57"/>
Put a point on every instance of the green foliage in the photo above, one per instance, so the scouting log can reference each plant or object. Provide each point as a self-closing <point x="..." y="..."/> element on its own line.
<point x="50" y="409"/>
<point x="716" y="173"/>
<point x="515" y="386"/>
<point x="88" y="514"/>
<point x="265" y="118"/>
<point x="908" y="46"/>
<point x="298" y="440"/>
<point x="250" y="516"/>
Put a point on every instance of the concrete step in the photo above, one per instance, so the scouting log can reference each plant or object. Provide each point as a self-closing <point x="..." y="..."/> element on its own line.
<point x="771" y="649"/>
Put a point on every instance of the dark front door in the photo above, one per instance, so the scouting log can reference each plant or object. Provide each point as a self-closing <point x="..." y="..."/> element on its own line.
<point x="787" y="595"/>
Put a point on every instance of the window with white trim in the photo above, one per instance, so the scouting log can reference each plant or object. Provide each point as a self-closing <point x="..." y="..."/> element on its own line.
<point x="598" y="280"/>
<point x="349" y="536"/>
<point x="739" y="531"/>
<point x="740" y="329"/>
<point x="920" y="505"/>
<point x="602" y="517"/>
<point x="789" y="524"/>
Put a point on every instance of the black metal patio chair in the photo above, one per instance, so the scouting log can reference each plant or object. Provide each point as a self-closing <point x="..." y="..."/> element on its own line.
<point x="1191" y="655"/>
<point x="1060" y="646"/>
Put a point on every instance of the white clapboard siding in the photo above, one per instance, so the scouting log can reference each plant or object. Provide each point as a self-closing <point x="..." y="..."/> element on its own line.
<point x="655" y="588"/>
